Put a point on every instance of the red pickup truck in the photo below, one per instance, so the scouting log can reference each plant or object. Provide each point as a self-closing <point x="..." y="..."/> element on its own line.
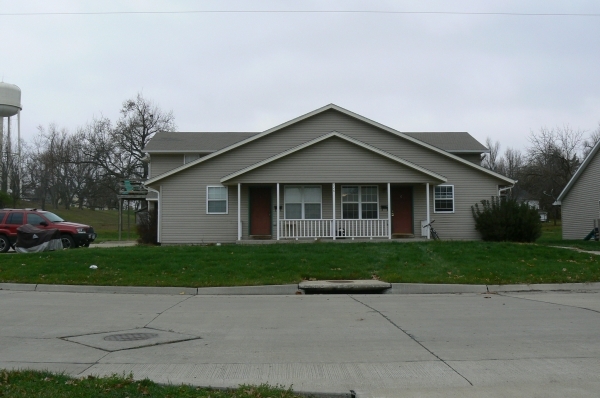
<point x="72" y="234"/>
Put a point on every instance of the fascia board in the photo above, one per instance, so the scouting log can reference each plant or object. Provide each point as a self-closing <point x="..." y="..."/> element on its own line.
<point x="578" y="173"/>
<point x="341" y="136"/>
<point x="176" y="151"/>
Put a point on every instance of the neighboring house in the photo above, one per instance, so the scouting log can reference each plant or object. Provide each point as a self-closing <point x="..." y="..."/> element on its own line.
<point x="579" y="200"/>
<point x="328" y="174"/>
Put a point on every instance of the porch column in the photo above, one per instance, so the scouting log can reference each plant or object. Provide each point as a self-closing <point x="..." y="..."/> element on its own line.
<point x="277" y="211"/>
<point x="239" y="211"/>
<point x="333" y="231"/>
<point x="389" y="212"/>
<point x="427" y="200"/>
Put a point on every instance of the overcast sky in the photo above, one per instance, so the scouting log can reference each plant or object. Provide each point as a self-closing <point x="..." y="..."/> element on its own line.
<point x="491" y="75"/>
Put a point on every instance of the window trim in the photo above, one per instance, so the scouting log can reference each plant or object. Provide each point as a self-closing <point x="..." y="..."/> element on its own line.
<point x="218" y="200"/>
<point x="453" y="200"/>
<point x="359" y="202"/>
<point x="302" y="203"/>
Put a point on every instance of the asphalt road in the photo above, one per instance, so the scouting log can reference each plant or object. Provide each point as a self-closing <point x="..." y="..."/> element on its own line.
<point x="459" y="345"/>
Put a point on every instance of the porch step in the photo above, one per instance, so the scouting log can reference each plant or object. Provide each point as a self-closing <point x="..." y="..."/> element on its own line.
<point x="261" y="237"/>
<point x="344" y="286"/>
<point x="402" y="236"/>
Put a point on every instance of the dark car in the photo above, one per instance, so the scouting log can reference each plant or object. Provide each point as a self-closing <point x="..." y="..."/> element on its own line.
<point x="72" y="234"/>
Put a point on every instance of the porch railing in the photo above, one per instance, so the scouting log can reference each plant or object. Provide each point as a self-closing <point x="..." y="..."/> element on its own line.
<point x="327" y="228"/>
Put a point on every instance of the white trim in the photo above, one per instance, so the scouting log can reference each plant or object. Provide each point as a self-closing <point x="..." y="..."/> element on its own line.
<point x="176" y="151"/>
<point x="159" y="227"/>
<point x="577" y="174"/>
<point x="359" y="202"/>
<point x="226" y="199"/>
<point x="453" y="199"/>
<point x="333" y="226"/>
<point x="389" y="199"/>
<point x="278" y="212"/>
<point x="428" y="209"/>
<point x="320" y="110"/>
<point x="344" y="137"/>
<point x="239" y="210"/>
<point x="302" y="203"/>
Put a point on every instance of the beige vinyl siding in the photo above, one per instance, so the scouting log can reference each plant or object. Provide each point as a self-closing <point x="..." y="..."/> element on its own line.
<point x="471" y="157"/>
<point x="162" y="163"/>
<point x="333" y="160"/>
<point x="184" y="193"/>
<point x="580" y="206"/>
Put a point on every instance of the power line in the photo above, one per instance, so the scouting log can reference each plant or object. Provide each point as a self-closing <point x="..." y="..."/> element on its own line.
<point x="510" y="14"/>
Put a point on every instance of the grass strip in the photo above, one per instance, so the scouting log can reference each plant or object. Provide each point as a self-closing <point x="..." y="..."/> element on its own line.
<point x="29" y="383"/>
<point x="473" y="262"/>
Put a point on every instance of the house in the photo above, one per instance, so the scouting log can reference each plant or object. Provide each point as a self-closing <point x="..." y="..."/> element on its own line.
<point x="580" y="199"/>
<point x="329" y="174"/>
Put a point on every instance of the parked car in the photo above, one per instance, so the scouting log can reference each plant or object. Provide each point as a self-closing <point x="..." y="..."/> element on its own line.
<point x="72" y="234"/>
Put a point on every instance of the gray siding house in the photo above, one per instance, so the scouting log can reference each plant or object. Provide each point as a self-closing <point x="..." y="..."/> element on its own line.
<point x="328" y="174"/>
<point x="580" y="199"/>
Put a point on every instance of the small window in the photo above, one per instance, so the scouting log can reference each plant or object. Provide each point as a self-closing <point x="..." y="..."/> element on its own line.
<point x="360" y="202"/>
<point x="34" y="219"/>
<point x="302" y="202"/>
<point x="444" y="199"/>
<point x="15" y="219"/>
<point x="2" y="214"/>
<point x="190" y="157"/>
<point x="216" y="200"/>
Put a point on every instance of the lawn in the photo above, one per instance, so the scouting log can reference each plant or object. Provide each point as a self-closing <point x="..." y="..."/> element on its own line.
<point x="552" y="236"/>
<point x="239" y="265"/>
<point x="29" y="383"/>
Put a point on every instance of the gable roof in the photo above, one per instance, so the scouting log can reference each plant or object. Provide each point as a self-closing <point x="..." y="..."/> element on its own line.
<point x="578" y="173"/>
<point x="453" y="142"/>
<point x="344" y="137"/>
<point x="315" y="112"/>
<point x="171" y="142"/>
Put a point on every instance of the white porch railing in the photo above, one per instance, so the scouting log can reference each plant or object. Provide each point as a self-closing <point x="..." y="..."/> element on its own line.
<point x="327" y="228"/>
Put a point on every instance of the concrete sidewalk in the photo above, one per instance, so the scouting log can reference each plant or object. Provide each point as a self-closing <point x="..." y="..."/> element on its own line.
<point x="538" y="344"/>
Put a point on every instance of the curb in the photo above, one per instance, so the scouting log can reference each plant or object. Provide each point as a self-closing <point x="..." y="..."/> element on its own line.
<point x="293" y="289"/>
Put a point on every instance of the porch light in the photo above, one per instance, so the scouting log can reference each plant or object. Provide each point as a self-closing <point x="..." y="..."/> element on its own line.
<point x="384" y="207"/>
<point x="275" y="207"/>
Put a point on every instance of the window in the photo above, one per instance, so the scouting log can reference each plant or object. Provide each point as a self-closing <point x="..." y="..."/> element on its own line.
<point x="34" y="219"/>
<point x="2" y="217"/>
<point x="15" y="219"/>
<point x="302" y="202"/>
<point x="360" y="202"/>
<point x="444" y="199"/>
<point x="216" y="200"/>
<point x="190" y="157"/>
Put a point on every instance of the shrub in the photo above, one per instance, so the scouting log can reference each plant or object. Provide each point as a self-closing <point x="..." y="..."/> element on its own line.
<point x="505" y="219"/>
<point x="147" y="227"/>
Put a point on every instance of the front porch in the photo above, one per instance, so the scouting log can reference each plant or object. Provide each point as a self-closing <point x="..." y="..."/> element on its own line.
<point x="333" y="211"/>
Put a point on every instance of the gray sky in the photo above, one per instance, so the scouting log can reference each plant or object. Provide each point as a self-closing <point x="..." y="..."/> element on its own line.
<point x="491" y="75"/>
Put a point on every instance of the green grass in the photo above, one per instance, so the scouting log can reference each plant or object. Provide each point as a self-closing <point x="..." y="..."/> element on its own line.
<point x="28" y="383"/>
<point x="552" y="236"/>
<point x="239" y="265"/>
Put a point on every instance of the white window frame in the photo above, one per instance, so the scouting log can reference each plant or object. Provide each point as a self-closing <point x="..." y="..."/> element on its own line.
<point x="215" y="200"/>
<point x="303" y="202"/>
<point x="360" y="187"/>
<point x="436" y="198"/>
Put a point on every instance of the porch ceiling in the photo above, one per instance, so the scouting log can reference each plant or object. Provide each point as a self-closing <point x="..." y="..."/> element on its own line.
<point x="334" y="157"/>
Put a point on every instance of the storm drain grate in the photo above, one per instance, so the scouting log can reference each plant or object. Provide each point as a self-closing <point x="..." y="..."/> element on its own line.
<point x="130" y="336"/>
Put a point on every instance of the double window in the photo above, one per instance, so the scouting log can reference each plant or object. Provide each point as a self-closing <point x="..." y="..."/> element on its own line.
<point x="360" y="202"/>
<point x="216" y="200"/>
<point x="302" y="202"/>
<point x="443" y="199"/>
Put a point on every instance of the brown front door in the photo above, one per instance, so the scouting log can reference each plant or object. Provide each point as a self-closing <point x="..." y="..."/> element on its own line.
<point x="260" y="210"/>
<point x="402" y="217"/>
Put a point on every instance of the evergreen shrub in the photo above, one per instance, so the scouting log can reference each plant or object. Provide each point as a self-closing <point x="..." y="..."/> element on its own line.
<point x="505" y="219"/>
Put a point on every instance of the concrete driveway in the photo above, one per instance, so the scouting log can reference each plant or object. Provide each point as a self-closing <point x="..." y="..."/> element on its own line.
<point x="461" y="345"/>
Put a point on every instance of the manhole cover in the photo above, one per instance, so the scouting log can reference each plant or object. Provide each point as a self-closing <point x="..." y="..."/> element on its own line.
<point x="339" y="281"/>
<point x="130" y="336"/>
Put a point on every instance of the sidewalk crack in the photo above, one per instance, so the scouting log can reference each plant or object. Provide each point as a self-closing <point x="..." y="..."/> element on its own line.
<point x="547" y="302"/>
<point x="162" y="312"/>
<point x="412" y="338"/>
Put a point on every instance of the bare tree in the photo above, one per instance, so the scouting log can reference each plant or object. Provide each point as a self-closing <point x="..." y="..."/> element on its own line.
<point x="490" y="160"/>
<point x="591" y="141"/>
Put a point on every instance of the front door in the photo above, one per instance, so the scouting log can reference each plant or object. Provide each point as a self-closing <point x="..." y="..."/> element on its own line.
<point x="260" y="210"/>
<point x="402" y="212"/>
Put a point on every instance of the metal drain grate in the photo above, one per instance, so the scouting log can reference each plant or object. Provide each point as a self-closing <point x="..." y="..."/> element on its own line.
<point x="130" y="336"/>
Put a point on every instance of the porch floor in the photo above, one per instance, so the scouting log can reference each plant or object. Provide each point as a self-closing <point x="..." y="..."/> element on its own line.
<point x="312" y="240"/>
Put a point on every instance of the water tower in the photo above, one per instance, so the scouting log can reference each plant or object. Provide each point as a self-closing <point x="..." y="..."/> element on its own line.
<point x="10" y="105"/>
